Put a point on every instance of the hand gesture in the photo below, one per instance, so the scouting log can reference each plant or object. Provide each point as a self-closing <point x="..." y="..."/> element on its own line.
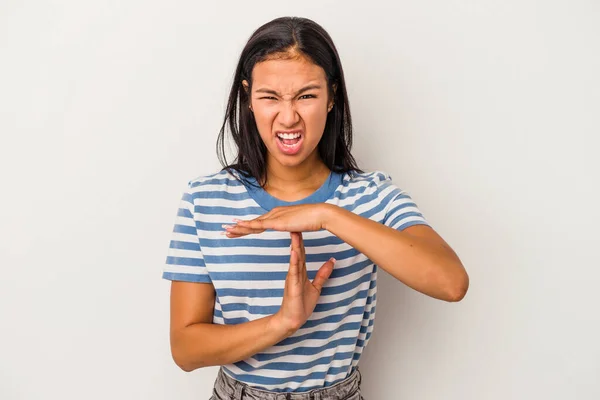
<point x="300" y="295"/>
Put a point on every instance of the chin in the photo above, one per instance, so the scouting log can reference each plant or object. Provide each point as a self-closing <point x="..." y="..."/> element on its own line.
<point x="291" y="161"/>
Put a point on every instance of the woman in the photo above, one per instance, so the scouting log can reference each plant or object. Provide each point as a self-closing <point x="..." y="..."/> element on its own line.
<point x="274" y="259"/>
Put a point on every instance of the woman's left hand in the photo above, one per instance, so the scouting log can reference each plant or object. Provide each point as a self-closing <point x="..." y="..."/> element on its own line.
<point x="299" y="218"/>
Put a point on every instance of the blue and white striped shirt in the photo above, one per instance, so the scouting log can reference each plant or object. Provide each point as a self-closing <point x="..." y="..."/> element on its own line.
<point x="248" y="273"/>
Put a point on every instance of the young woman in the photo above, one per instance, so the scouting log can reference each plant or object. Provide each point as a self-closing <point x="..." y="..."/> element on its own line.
<point x="274" y="259"/>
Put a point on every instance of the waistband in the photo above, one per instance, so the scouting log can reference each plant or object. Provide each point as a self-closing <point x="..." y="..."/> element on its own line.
<point x="227" y="387"/>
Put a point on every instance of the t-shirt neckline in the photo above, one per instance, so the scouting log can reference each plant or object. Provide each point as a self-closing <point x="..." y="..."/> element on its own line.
<point x="268" y="202"/>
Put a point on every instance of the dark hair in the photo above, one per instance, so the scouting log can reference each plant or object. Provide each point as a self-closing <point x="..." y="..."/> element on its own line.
<point x="277" y="37"/>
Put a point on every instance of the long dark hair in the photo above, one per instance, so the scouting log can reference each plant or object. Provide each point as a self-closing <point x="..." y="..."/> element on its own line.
<point x="280" y="36"/>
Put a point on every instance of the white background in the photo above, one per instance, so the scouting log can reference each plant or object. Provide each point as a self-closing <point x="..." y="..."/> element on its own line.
<point x="486" y="112"/>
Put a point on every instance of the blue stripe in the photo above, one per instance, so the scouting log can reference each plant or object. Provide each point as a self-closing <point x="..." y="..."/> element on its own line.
<point x="350" y="193"/>
<point x="341" y="303"/>
<point x="269" y="243"/>
<point x="217" y="181"/>
<point x="403" y="216"/>
<point x="184" y="212"/>
<point x="292" y="366"/>
<point x="277" y="259"/>
<point x="222" y="195"/>
<point x="362" y="200"/>
<point x="187" y="198"/>
<point x="379" y="207"/>
<point x="320" y="335"/>
<point x="185" y="229"/>
<point x="176" y="244"/>
<point x="311" y="323"/>
<point x="187" y="261"/>
<point x="305" y="350"/>
<point x="397" y="205"/>
<point x="251" y="309"/>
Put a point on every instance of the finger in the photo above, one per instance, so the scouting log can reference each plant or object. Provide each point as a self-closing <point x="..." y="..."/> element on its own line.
<point x="232" y="235"/>
<point x="298" y="250"/>
<point x="254" y="223"/>
<point x="302" y="262"/>
<point x="323" y="274"/>
<point x="240" y="230"/>
<point x="295" y="242"/>
<point x="261" y="225"/>
<point x="293" y="272"/>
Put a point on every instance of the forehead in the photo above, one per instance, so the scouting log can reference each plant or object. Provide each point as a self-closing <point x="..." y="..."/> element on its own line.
<point x="287" y="74"/>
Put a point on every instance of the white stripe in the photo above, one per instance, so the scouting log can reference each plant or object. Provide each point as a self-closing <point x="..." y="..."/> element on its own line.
<point x="185" y="253"/>
<point x="222" y="187"/>
<point x="219" y="202"/>
<point x="406" y="220"/>
<point x="184" y="269"/>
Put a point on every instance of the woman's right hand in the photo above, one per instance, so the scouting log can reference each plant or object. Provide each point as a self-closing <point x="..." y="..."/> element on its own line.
<point x="300" y="295"/>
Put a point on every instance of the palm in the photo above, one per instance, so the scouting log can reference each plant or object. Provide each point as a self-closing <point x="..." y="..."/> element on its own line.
<point x="300" y="294"/>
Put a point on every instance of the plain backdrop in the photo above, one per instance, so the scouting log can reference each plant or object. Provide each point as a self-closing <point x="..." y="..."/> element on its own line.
<point x="486" y="112"/>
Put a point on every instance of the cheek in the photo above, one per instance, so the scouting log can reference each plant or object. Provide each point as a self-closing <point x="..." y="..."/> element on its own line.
<point x="314" y="118"/>
<point x="264" y="120"/>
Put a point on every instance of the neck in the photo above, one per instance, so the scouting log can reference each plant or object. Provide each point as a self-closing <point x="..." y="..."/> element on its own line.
<point x="311" y="173"/>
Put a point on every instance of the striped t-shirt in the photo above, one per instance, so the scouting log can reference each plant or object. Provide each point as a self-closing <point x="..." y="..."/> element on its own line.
<point x="248" y="273"/>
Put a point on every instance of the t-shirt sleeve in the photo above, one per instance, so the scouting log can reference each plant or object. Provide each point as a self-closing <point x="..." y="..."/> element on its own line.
<point x="401" y="211"/>
<point x="185" y="261"/>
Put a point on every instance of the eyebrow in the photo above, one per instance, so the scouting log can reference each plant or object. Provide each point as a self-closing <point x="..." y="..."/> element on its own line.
<point x="304" y="89"/>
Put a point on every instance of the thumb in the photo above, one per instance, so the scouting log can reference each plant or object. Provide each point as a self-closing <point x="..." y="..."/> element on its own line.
<point x="323" y="274"/>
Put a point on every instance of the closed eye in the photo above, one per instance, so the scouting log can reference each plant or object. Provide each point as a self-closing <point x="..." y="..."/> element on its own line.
<point x="308" y="96"/>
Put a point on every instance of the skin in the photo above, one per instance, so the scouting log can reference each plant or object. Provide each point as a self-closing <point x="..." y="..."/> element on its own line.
<point x="416" y="256"/>
<point x="291" y="94"/>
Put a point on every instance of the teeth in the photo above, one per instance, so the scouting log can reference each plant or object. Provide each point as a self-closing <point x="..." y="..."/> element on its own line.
<point x="288" y="135"/>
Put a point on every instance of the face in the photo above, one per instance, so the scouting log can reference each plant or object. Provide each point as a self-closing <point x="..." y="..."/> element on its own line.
<point x="290" y="103"/>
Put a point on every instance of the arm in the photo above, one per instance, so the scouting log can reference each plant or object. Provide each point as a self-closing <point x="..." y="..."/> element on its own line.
<point x="416" y="256"/>
<point x="196" y="342"/>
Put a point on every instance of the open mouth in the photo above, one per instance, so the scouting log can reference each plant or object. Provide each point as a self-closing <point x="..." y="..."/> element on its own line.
<point x="290" y="143"/>
<point x="289" y="139"/>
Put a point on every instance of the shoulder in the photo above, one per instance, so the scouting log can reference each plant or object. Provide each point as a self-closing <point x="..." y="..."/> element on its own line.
<point x="365" y="187"/>
<point x="376" y="180"/>
<point x="222" y="180"/>
<point x="213" y="187"/>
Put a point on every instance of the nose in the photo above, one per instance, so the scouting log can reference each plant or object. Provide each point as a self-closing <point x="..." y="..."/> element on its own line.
<point x="288" y="116"/>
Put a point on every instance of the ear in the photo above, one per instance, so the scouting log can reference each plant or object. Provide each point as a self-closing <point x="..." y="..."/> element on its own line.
<point x="247" y="90"/>
<point x="332" y="100"/>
